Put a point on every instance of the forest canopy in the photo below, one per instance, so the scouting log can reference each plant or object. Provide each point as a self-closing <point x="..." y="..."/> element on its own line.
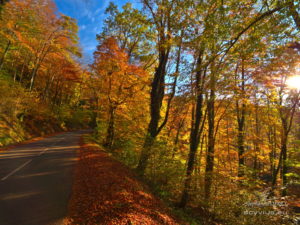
<point x="201" y="98"/>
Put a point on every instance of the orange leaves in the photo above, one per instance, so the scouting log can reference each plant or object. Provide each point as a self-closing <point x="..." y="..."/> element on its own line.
<point x="45" y="46"/>
<point x="122" y="86"/>
<point x="120" y="81"/>
<point x="106" y="192"/>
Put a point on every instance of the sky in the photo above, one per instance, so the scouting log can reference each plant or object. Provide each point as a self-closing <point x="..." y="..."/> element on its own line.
<point x="90" y="16"/>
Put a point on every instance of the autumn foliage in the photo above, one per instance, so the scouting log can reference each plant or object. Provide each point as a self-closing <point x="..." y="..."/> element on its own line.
<point x="39" y="73"/>
<point x="195" y="96"/>
<point x="219" y="125"/>
<point x="122" y="90"/>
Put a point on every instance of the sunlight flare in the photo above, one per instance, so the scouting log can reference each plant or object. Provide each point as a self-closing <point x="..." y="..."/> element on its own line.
<point x="293" y="82"/>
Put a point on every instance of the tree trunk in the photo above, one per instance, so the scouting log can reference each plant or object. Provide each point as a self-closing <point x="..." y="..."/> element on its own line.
<point x="241" y="149"/>
<point x="39" y="59"/>
<point x="286" y="117"/>
<point x="54" y="99"/>
<point x="284" y="166"/>
<point x="241" y="114"/>
<point x="111" y="128"/>
<point x="48" y="86"/>
<point x="256" y="140"/>
<point x="273" y="144"/>
<point x="195" y="133"/>
<point x="211" y="139"/>
<point x="157" y="95"/>
<point x="15" y="74"/>
<point x="176" y="140"/>
<point x="158" y="84"/>
<point x="4" y="54"/>
<point x="280" y="163"/>
<point x="22" y="71"/>
<point x="33" y="75"/>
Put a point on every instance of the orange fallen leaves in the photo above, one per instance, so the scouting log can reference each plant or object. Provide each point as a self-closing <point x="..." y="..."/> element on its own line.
<point x="106" y="192"/>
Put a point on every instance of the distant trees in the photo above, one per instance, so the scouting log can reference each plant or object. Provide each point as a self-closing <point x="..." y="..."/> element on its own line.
<point x="34" y="42"/>
<point x="285" y="101"/>
<point x="39" y="59"/>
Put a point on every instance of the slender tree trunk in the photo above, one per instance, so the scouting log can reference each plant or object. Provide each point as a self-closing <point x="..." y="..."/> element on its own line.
<point x="54" y="101"/>
<point x="272" y="139"/>
<point x="241" y="149"/>
<point x="95" y="110"/>
<point x="33" y="75"/>
<point x="48" y="86"/>
<point x="273" y="143"/>
<point x="284" y="166"/>
<point x="176" y="140"/>
<point x="241" y="114"/>
<point x="203" y="137"/>
<point x="4" y="54"/>
<point x="195" y="133"/>
<point x="280" y="163"/>
<point x="211" y="138"/>
<point x="39" y="59"/>
<point x="60" y="98"/>
<point x="286" y="116"/>
<point x="283" y="149"/>
<point x="256" y="139"/>
<point x="22" y="71"/>
<point x="15" y="74"/>
<point x="111" y="128"/>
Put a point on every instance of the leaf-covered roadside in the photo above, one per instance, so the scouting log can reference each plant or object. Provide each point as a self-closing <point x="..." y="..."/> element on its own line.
<point x="106" y="192"/>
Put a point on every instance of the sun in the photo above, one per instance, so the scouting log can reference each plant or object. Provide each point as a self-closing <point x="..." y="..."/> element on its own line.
<point x="293" y="82"/>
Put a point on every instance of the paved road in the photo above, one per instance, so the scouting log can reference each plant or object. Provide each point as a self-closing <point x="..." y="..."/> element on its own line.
<point x="36" y="180"/>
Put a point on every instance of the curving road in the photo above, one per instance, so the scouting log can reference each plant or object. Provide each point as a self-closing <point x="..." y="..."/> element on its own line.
<point x="36" y="180"/>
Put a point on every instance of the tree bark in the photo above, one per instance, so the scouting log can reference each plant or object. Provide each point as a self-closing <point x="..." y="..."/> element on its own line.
<point x="111" y="128"/>
<point x="256" y="139"/>
<point x="34" y="72"/>
<point x="241" y="114"/>
<point x="284" y="166"/>
<point x="164" y="30"/>
<point x="157" y="95"/>
<point x="176" y="140"/>
<point x="286" y="116"/>
<point x="195" y="132"/>
<point x="211" y="138"/>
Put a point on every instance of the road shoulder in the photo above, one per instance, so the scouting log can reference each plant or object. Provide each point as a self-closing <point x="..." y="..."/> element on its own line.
<point x="107" y="192"/>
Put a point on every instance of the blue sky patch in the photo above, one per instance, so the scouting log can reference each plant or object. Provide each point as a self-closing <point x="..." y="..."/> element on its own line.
<point x="90" y="16"/>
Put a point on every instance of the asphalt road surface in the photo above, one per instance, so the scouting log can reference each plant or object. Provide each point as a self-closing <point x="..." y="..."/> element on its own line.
<point x="36" y="180"/>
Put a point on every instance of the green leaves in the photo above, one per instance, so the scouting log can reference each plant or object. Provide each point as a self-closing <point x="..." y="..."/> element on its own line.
<point x="130" y="27"/>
